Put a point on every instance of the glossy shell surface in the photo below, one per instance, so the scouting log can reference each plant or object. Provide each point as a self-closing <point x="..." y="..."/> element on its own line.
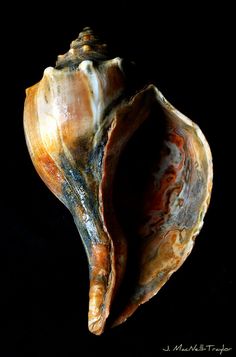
<point x="135" y="173"/>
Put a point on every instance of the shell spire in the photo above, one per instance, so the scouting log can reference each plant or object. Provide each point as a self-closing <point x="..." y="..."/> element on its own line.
<point x="87" y="46"/>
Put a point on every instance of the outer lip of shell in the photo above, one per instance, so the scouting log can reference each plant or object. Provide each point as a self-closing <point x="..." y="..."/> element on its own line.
<point x="167" y="244"/>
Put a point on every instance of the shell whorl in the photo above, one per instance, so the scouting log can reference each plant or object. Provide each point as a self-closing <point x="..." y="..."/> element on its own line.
<point x="87" y="46"/>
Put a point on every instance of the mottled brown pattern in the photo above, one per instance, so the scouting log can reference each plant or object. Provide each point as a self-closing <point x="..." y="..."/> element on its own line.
<point x="174" y="205"/>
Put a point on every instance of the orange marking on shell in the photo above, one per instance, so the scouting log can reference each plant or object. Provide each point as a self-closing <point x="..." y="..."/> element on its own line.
<point x="163" y="260"/>
<point x="114" y="82"/>
<point x="157" y="200"/>
<point x="86" y="48"/>
<point x="100" y="256"/>
<point x="87" y="37"/>
<point x="99" y="281"/>
<point x="48" y="164"/>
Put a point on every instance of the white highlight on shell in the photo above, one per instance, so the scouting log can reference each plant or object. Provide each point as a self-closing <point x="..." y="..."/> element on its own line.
<point x="97" y="102"/>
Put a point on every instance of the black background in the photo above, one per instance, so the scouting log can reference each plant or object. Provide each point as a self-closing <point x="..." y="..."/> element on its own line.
<point x="183" y="49"/>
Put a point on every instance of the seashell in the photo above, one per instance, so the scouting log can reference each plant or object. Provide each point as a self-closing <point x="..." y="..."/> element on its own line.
<point x="135" y="173"/>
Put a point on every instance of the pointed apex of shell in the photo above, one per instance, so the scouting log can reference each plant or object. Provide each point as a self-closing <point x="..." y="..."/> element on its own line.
<point x="87" y="46"/>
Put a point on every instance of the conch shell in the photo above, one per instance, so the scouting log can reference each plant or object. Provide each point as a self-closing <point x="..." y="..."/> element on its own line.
<point x="135" y="173"/>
